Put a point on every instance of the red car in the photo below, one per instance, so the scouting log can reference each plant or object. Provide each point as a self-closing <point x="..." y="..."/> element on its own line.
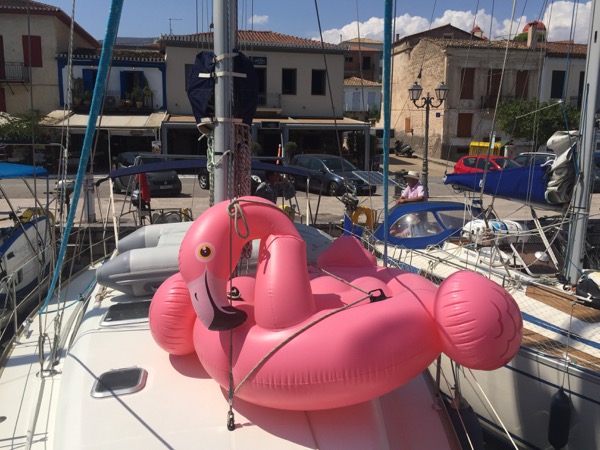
<point x="477" y="163"/>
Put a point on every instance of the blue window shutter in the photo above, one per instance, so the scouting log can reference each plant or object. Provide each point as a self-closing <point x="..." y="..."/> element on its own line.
<point x="89" y="79"/>
<point x="123" y="75"/>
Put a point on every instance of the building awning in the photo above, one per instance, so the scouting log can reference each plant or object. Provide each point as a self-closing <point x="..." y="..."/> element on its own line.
<point x="343" y="123"/>
<point x="146" y="124"/>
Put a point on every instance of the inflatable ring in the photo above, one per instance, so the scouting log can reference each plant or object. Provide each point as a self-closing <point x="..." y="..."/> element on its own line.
<point x="367" y="212"/>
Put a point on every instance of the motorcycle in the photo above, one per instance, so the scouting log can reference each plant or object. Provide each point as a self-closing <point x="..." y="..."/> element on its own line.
<point x="401" y="149"/>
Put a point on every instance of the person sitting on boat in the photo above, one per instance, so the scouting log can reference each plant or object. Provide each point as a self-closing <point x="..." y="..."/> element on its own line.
<point x="273" y="186"/>
<point x="414" y="192"/>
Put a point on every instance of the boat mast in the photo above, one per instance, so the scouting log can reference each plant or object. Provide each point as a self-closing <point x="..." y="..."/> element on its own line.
<point x="225" y="39"/>
<point x="587" y="145"/>
<point x="387" y="83"/>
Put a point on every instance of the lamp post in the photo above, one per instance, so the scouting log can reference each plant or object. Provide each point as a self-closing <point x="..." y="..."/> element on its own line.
<point x="441" y="92"/>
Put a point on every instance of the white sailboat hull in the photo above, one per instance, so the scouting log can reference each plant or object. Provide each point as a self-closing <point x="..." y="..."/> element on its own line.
<point x="519" y="395"/>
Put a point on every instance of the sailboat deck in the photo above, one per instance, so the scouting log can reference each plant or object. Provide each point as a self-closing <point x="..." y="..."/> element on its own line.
<point x="528" y="254"/>
<point x="563" y="302"/>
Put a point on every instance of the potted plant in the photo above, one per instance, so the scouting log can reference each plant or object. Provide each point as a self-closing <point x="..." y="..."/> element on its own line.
<point x="137" y="95"/>
<point x="77" y="91"/>
<point x="128" y="99"/>
<point x="147" y="93"/>
<point x="87" y="98"/>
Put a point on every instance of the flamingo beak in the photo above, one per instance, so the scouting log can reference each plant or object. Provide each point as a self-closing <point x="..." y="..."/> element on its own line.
<point x="208" y="293"/>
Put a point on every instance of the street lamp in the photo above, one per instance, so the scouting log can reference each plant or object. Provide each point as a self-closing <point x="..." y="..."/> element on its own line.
<point x="441" y="92"/>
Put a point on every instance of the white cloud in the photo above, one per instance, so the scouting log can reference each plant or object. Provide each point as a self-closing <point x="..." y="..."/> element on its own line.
<point x="258" y="20"/>
<point x="557" y="19"/>
<point x="373" y="29"/>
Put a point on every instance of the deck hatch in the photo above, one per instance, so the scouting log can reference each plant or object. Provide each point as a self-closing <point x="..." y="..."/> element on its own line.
<point x="120" y="382"/>
<point x="126" y="313"/>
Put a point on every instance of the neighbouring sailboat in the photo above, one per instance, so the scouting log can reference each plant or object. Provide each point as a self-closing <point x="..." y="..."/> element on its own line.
<point x="26" y="251"/>
<point x="548" y="395"/>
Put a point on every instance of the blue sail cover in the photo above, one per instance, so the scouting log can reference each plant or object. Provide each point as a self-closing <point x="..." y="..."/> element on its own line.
<point x="10" y="170"/>
<point x="201" y="87"/>
<point x="527" y="184"/>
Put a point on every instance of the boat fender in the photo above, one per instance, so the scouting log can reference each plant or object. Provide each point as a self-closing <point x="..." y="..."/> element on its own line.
<point x="560" y="419"/>
<point x="369" y="216"/>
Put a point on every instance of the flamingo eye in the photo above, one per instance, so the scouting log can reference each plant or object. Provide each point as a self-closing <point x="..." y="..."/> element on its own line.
<point x="205" y="252"/>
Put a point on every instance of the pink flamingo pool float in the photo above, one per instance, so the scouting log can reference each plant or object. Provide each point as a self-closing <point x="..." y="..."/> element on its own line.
<point x="307" y="338"/>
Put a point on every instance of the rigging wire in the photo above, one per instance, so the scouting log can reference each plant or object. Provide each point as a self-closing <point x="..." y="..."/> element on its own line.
<point x="335" y="121"/>
<point x="497" y="102"/>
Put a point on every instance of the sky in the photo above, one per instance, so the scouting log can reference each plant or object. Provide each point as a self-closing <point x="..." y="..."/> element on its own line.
<point x="337" y="19"/>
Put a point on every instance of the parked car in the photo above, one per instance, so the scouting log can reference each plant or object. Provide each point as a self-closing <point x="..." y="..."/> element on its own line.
<point x="257" y="175"/>
<point x="534" y="158"/>
<point x="477" y="163"/>
<point x="329" y="172"/>
<point x="162" y="183"/>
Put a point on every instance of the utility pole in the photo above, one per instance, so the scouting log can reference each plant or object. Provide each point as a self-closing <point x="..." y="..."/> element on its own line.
<point x="171" y="25"/>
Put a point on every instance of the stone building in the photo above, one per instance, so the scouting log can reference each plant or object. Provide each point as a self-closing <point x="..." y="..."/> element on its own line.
<point x="479" y="73"/>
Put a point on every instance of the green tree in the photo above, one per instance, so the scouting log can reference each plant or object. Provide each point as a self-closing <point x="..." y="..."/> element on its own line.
<point x="518" y="118"/>
<point x="24" y="128"/>
<point x="291" y="148"/>
<point x="374" y="112"/>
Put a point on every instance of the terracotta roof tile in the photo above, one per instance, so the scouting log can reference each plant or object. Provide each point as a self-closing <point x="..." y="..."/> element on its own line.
<point x="362" y="41"/>
<point x="22" y="4"/>
<point x="562" y="49"/>
<point x="356" y="48"/>
<point x="476" y="43"/>
<point x="257" y="38"/>
<point x="555" y="48"/>
<point x="120" y="54"/>
<point x="355" y="81"/>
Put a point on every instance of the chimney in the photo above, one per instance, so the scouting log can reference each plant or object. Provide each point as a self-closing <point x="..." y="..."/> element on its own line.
<point x="532" y="36"/>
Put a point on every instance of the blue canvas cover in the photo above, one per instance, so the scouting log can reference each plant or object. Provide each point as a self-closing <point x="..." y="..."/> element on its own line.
<point x="245" y="89"/>
<point x="201" y="89"/>
<point x="11" y="170"/>
<point x="445" y="219"/>
<point x="527" y="184"/>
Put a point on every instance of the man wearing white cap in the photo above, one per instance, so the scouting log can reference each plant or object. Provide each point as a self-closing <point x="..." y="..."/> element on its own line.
<point x="414" y="192"/>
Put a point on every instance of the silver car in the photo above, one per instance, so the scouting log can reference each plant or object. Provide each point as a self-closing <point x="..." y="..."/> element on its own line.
<point x="331" y="174"/>
<point x="163" y="183"/>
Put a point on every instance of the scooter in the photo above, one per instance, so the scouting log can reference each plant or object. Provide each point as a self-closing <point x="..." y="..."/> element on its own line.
<point x="401" y="149"/>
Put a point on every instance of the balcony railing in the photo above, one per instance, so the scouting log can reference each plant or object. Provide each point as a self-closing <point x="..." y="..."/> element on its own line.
<point x="488" y="101"/>
<point x="269" y="100"/>
<point x="15" y="72"/>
